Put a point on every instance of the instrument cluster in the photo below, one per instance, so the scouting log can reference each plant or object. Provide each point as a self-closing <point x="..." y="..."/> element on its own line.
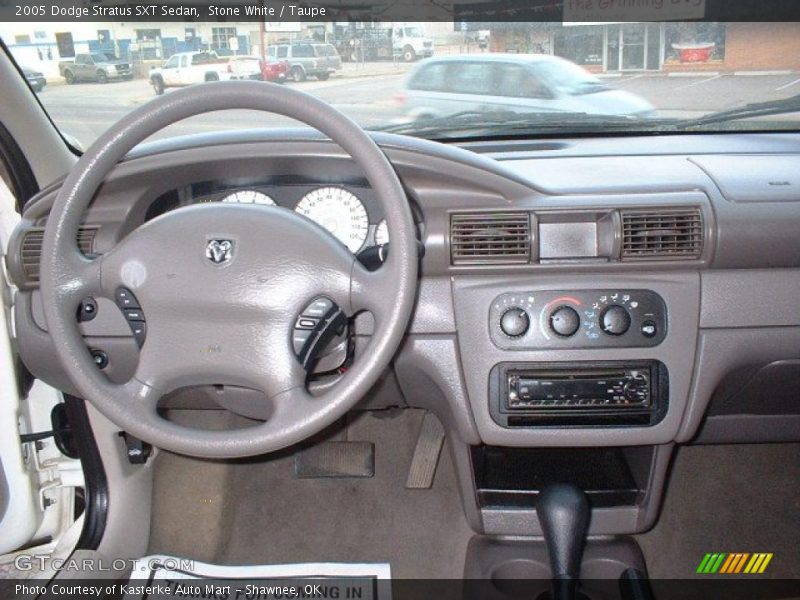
<point x="346" y="211"/>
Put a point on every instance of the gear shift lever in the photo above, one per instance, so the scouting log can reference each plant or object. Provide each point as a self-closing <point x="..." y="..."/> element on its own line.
<point x="563" y="512"/>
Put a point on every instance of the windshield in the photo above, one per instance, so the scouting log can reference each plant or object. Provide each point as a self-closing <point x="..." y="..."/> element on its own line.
<point x="413" y="32"/>
<point x="442" y="80"/>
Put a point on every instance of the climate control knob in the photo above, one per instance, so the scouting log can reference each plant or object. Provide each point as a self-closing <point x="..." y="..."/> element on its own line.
<point x="515" y="322"/>
<point x="615" y="320"/>
<point x="565" y="321"/>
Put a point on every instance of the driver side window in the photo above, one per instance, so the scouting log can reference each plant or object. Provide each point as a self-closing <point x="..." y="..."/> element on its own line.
<point x="172" y="62"/>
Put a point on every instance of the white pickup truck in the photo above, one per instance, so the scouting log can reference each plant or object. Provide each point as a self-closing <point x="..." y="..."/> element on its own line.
<point x="186" y="68"/>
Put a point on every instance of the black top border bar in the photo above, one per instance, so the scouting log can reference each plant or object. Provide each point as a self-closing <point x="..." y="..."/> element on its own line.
<point x="465" y="12"/>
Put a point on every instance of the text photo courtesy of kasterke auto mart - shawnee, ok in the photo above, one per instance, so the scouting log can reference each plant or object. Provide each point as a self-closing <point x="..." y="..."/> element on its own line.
<point x="400" y="299"/>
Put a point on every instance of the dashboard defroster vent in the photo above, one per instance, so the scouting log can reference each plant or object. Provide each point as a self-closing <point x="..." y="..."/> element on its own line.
<point x="662" y="234"/>
<point x="31" y="252"/>
<point x="490" y="238"/>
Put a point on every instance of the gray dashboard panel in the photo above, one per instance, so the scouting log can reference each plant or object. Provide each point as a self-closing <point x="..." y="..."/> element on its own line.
<point x="750" y="298"/>
<point x="754" y="178"/>
<point x="745" y="242"/>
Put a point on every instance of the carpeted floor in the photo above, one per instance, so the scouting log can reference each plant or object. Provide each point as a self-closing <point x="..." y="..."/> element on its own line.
<point x="730" y="498"/>
<point x="257" y="512"/>
<point x="733" y="498"/>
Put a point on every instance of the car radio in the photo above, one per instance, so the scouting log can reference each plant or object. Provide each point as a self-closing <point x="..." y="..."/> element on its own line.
<point x="609" y="393"/>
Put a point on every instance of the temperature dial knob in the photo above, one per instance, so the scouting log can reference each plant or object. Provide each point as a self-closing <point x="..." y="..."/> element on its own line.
<point x="515" y="322"/>
<point x="565" y="321"/>
<point x="615" y="320"/>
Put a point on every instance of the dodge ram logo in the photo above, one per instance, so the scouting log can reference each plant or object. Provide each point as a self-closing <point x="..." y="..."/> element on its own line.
<point x="219" y="252"/>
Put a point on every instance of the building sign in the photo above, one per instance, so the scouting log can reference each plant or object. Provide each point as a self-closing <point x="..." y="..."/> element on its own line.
<point x="605" y="11"/>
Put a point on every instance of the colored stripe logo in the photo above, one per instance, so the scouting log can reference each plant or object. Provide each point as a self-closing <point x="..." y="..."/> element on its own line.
<point x="729" y="563"/>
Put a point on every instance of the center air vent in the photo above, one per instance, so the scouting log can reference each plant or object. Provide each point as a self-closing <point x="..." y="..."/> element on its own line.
<point x="662" y="234"/>
<point x="490" y="238"/>
<point x="31" y="251"/>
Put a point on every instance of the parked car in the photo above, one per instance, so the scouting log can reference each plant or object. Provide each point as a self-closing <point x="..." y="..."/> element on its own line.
<point x="34" y="78"/>
<point x="439" y="87"/>
<point x="186" y="68"/>
<point x="252" y="67"/>
<point x="308" y="59"/>
<point x="95" y="66"/>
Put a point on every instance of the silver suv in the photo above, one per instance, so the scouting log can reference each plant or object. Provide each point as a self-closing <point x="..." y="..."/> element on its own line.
<point x="307" y="59"/>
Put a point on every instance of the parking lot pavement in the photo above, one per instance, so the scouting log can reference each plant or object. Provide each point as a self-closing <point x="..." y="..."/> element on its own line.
<point x="86" y="110"/>
<point x="702" y="93"/>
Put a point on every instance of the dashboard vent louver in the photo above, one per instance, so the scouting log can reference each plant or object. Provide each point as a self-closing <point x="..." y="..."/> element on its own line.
<point x="490" y="238"/>
<point x="663" y="234"/>
<point x="31" y="252"/>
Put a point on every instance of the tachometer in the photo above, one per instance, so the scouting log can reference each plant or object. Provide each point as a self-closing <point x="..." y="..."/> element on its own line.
<point x="249" y="197"/>
<point x="338" y="211"/>
<point x="382" y="233"/>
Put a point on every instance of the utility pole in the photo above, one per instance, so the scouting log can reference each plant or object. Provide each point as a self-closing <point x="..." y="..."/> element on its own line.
<point x="263" y="33"/>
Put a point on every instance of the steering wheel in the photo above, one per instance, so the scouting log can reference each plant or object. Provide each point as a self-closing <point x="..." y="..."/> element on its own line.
<point x="225" y="314"/>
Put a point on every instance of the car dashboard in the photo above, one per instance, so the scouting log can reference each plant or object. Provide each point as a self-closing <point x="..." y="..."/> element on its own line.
<point x="627" y="293"/>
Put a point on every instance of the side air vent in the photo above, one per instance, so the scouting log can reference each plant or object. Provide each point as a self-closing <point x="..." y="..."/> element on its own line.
<point x="31" y="251"/>
<point x="490" y="238"/>
<point x="662" y="234"/>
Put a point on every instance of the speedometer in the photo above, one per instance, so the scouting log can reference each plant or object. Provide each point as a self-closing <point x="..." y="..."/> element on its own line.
<point x="249" y="197"/>
<point x="338" y="211"/>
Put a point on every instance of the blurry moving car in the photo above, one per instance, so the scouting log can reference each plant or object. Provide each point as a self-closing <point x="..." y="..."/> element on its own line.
<point x="252" y="67"/>
<point x="35" y="79"/>
<point x="94" y="66"/>
<point x="440" y="87"/>
<point x="307" y="59"/>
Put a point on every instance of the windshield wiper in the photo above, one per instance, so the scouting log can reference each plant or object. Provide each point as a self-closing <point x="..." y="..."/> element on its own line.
<point x="499" y="122"/>
<point x="757" y="109"/>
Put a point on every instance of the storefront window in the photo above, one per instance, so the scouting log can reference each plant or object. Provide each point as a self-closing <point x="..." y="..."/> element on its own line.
<point x="581" y="45"/>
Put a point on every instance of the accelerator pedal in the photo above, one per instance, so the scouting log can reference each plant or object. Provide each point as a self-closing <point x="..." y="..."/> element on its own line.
<point x="336" y="460"/>
<point x="426" y="454"/>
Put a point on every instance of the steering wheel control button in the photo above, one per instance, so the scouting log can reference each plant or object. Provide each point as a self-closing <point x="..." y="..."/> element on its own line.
<point x="300" y="339"/>
<point x="649" y="329"/>
<point x="139" y="329"/>
<point x="319" y="308"/>
<point x="306" y="323"/>
<point x="515" y="322"/>
<point x="134" y="314"/>
<point x="125" y="299"/>
<point x="100" y="358"/>
<point x="615" y="320"/>
<point x="320" y="323"/>
<point x="565" y="321"/>
<point x="88" y="310"/>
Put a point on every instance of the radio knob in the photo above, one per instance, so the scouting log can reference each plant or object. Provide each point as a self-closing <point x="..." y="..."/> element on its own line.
<point x="565" y="321"/>
<point x="515" y="322"/>
<point x="615" y="320"/>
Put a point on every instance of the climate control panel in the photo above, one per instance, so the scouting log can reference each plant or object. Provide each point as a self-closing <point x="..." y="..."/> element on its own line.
<point x="578" y="319"/>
